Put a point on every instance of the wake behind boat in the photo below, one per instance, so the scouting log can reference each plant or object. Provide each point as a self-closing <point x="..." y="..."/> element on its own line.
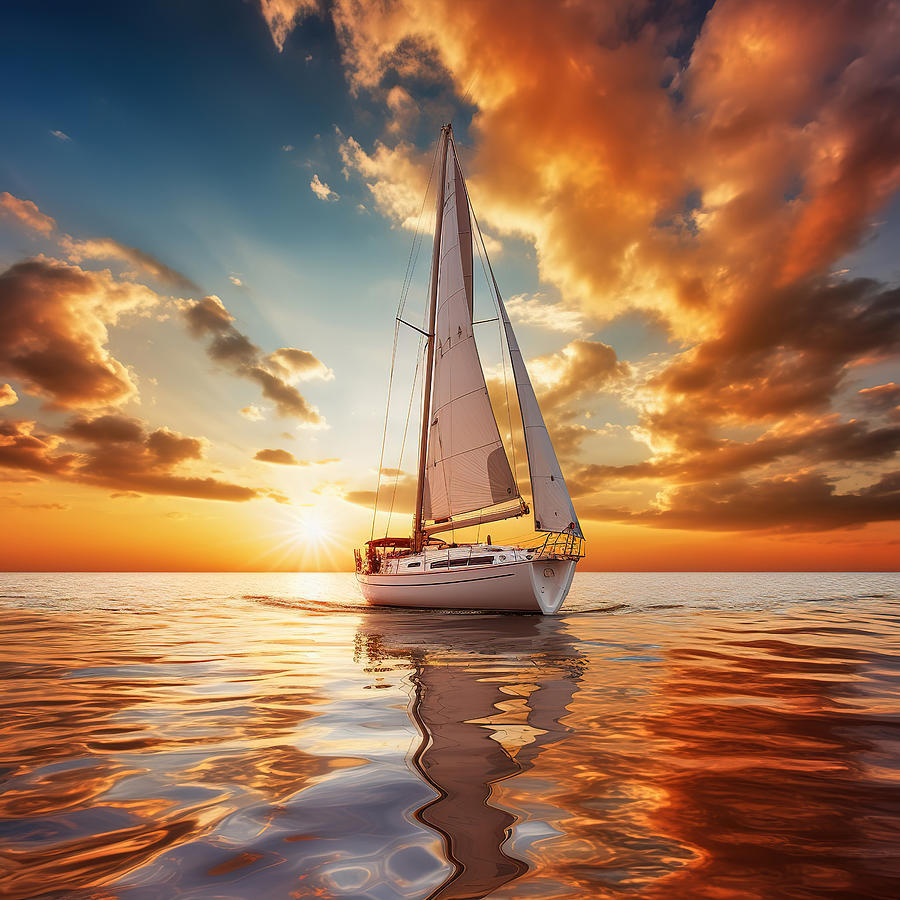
<point x="464" y="476"/>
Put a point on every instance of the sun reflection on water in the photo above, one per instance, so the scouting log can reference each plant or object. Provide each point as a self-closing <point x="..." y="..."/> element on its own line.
<point x="250" y="736"/>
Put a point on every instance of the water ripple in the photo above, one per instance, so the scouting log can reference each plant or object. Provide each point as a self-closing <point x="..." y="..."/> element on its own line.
<point x="197" y="736"/>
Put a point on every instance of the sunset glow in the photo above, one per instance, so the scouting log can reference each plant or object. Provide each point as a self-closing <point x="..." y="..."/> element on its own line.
<point x="449" y="449"/>
<point x="206" y="217"/>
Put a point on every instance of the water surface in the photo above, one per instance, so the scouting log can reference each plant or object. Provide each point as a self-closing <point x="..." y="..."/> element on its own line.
<point x="261" y="736"/>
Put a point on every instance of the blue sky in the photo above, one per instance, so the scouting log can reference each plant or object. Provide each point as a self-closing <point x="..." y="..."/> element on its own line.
<point x="184" y="130"/>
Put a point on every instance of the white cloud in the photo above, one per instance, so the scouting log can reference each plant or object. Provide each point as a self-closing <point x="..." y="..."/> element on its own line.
<point x="395" y="176"/>
<point x="535" y="310"/>
<point x="322" y="190"/>
<point x="493" y="247"/>
<point x="60" y="135"/>
<point x="235" y="280"/>
<point x="253" y="413"/>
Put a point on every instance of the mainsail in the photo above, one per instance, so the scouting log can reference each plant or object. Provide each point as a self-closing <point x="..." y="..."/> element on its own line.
<point x="466" y="466"/>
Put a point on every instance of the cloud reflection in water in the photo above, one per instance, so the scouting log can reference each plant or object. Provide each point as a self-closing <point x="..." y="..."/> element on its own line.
<point x="168" y="735"/>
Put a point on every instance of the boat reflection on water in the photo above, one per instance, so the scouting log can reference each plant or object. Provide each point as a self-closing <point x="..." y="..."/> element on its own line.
<point x="487" y="699"/>
<point x="686" y="749"/>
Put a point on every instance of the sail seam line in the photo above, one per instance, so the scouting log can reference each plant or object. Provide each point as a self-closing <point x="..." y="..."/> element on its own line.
<point x="437" y="409"/>
<point x="469" y="450"/>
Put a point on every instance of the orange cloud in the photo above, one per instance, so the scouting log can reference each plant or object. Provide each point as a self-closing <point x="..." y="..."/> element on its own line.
<point x="115" y="452"/>
<point x="286" y="458"/>
<point x="280" y="16"/>
<point x="597" y="177"/>
<point x="801" y="503"/>
<point x="580" y="368"/>
<point x="281" y="457"/>
<point x="26" y="213"/>
<point x="7" y="395"/>
<point x="707" y="177"/>
<point x="883" y="398"/>
<point x="397" y="493"/>
<point x="143" y="263"/>
<point x="24" y="447"/>
<point x="252" y="413"/>
<point x="787" y="349"/>
<point x="704" y="460"/>
<point x="299" y="364"/>
<point x="54" y="321"/>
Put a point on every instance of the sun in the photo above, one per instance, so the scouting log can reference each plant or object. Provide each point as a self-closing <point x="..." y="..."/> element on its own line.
<point x="311" y="528"/>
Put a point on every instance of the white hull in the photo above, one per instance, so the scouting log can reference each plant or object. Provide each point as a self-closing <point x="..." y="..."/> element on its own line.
<point x="523" y="585"/>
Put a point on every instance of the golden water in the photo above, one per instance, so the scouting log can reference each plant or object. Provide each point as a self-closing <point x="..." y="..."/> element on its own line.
<point x="261" y="736"/>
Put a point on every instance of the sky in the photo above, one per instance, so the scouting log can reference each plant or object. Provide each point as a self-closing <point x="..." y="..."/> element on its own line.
<point x="209" y="213"/>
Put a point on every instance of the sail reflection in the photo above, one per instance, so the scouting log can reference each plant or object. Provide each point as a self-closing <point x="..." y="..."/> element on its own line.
<point x="284" y="751"/>
<point x="486" y="701"/>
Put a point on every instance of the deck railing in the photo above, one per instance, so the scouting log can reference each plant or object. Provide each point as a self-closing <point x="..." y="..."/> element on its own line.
<point x="557" y="545"/>
<point x="552" y="545"/>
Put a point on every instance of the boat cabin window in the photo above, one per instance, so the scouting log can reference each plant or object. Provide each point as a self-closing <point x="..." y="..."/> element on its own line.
<point x="413" y="565"/>
<point x="463" y="561"/>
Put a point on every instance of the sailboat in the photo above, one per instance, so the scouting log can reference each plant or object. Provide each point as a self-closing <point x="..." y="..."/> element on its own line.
<point x="464" y="477"/>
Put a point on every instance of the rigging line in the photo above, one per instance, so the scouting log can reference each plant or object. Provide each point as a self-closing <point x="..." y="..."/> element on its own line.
<point x="412" y="395"/>
<point x="404" y="291"/>
<point x="494" y="292"/>
<point x="416" y="242"/>
<point x="414" y="328"/>
<point x="387" y="410"/>
<point x="468" y="92"/>
<point x="417" y="237"/>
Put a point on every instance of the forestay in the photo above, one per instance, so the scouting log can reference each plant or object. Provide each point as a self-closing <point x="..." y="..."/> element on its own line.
<point x="467" y="468"/>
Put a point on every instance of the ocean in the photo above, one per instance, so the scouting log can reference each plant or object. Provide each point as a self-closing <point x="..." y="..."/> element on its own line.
<point x="265" y="736"/>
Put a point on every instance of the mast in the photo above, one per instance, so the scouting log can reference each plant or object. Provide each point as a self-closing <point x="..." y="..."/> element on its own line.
<point x="418" y="532"/>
